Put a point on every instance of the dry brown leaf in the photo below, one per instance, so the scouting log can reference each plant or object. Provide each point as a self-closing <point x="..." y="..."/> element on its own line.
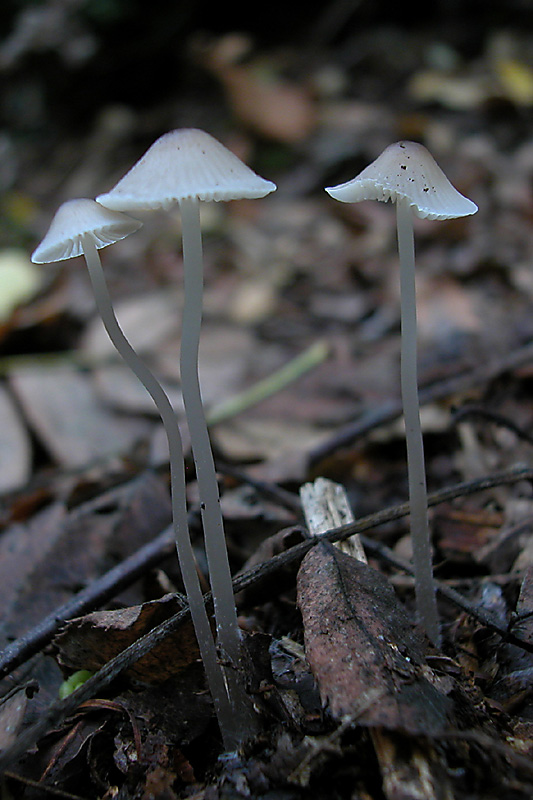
<point x="15" y="447"/>
<point x="266" y="103"/>
<point x="63" y="409"/>
<point x="360" y="645"/>
<point x="90" y="641"/>
<point x="12" y="711"/>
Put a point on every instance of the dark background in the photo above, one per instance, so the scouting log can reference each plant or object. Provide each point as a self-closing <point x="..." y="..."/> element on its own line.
<point x="85" y="54"/>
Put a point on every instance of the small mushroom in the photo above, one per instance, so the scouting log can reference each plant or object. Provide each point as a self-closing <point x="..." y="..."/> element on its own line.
<point x="82" y="227"/>
<point x="407" y="174"/>
<point x="186" y="166"/>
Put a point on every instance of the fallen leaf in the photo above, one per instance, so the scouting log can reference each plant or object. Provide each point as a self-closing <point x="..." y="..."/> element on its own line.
<point x="19" y="280"/>
<point x="15" y="446"/>
<point x="360" y="645"/>
<point x="43" y="561"/>
<point x="449" y="89"/>
<point x="255" y="438"/>
<point x="146" y="321"/>
<point x="516" y="79"/>
<point x="523" y="625"/>
<point x="89" y="642"/>
<point x="63" y="409"/>
<point x="22" y="548"/>
<point x="264" y="101"/>
<point x="12" y="711"/>
<point x="120" y="389"/>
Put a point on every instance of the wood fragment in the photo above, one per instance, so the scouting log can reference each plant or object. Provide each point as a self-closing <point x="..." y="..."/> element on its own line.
<point x="57" y="711"/>
<point x="358" y="643"/>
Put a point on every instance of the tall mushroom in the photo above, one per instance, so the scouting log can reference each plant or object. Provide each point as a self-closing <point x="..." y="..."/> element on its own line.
<point x="82" y="227"/>
<point x="186" y="166"/>
<point x="407" y="174"/>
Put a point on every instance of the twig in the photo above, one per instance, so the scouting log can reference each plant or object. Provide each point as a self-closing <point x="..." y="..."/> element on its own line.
<point x="472" y="410"/>
<point x="59" y="710"/>
<point x="389" y="411"/>
<point x="274" y="383"/>
<point x="384" y="553"/>
<point x="94" y="595"/>
<point x="42" y="788"/>
<point x="271" y="491"/>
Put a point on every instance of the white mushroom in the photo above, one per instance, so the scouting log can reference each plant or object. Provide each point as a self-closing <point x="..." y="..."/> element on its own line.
<point x="186" y="166"/>
<point x="407" y="174"/>
<point x="82" y="227"/>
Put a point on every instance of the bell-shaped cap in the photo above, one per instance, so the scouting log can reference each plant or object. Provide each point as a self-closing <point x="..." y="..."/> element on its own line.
<point x="185" y="163"/>
<point x="76" y="219"/>
<point x="407" y="170"/>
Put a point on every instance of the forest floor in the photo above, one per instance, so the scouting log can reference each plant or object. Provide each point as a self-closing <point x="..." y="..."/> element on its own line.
<point x="300" y="379"/>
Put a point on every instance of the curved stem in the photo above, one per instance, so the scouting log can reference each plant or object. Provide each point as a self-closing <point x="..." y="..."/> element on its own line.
<point x="215" y="542"/>
<point x="186" y="558"/>
<point x="420" y="536"/>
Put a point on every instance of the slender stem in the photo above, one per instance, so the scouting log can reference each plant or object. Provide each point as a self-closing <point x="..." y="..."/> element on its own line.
<point x="420" y="535"/>
<point x="215" y="677"/>
<point x="215" y="542"/>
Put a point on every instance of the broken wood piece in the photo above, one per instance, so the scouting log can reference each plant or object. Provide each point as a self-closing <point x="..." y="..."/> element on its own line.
<point x="325" y="506"/>
<point x="360" y="644"/>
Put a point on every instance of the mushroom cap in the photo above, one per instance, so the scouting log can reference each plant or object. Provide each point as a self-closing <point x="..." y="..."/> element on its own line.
<point x="407" y="170"/>
<point x="185" y="163"/>
<point x="78" y="218"/>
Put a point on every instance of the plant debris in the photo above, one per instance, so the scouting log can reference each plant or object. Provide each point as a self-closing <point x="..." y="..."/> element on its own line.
<point x="351" y="700"/>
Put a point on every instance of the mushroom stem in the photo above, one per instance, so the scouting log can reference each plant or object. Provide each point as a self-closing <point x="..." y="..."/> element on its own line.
<point x="425" y="588"/>
<point x="229" y="640"/>
<point x="214" y="673"/>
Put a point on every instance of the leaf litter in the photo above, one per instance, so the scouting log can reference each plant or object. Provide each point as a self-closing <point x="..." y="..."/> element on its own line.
<point x="353" y="702"/>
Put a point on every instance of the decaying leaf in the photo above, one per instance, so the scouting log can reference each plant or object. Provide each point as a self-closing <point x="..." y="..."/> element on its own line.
<point x="12" y="710"/>
<point x="524" y="608"/>
<point x="63" y="409"/>
<point x="279" y="109"/>
<point x="15" y="446"/>
<point x="90" y="641"/>
<point x="19" y="280"/>
<point x="359" y="640"/>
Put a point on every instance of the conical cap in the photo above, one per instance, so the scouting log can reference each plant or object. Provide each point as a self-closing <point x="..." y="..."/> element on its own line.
<point x="185" y="163"/>
<point x="407" y="170"/>
<point x="78" y="218"/>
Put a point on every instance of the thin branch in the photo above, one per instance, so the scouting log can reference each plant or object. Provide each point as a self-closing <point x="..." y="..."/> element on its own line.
<point x="59" y="710"/>
<point x="392" y="410"/>
<point x="94" y="595"/>
<point x="43" y="788"/>
<point x="473" y="410"/>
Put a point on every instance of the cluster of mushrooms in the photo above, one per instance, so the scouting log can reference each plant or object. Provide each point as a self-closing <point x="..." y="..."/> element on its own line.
<point x="186" y="166"/>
